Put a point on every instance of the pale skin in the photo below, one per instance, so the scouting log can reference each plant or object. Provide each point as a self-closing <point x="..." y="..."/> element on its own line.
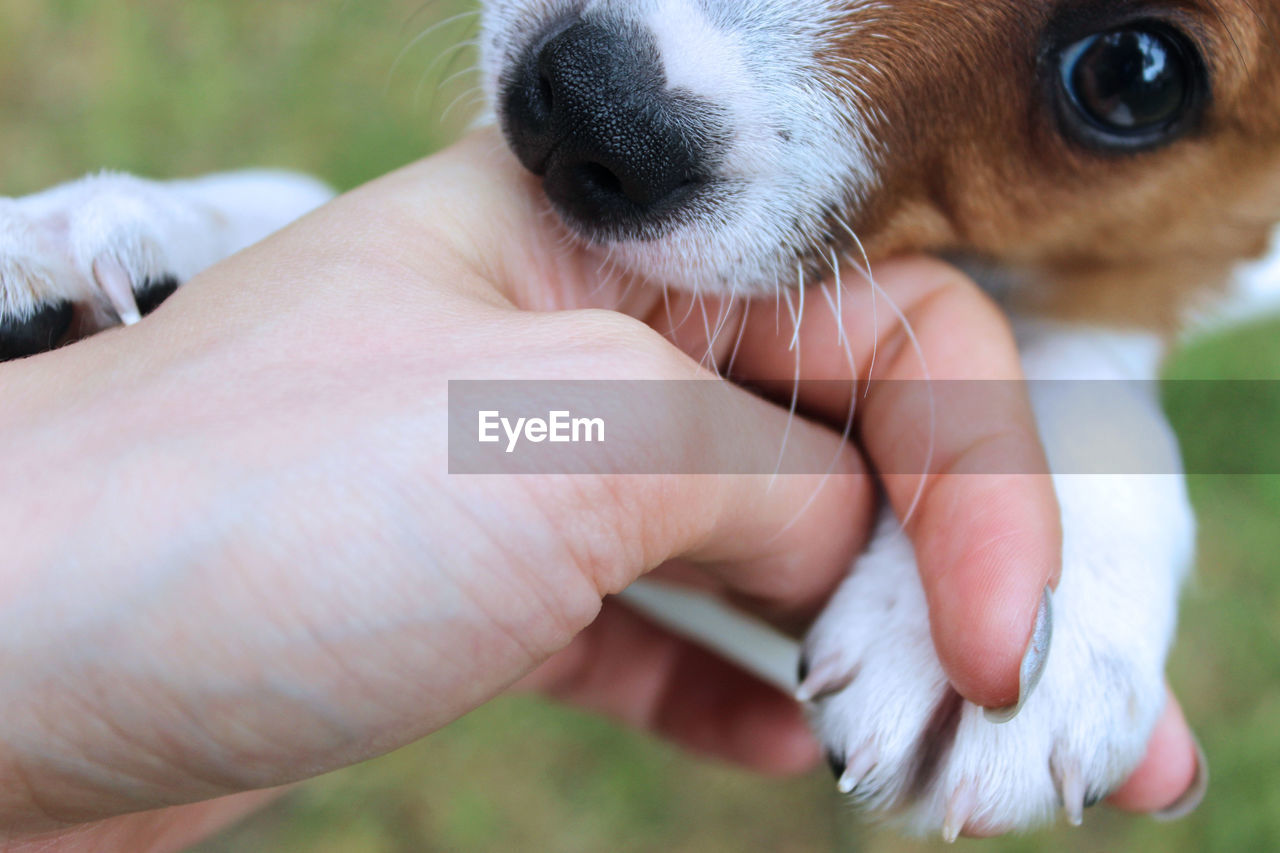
<point x="237" y="560"/>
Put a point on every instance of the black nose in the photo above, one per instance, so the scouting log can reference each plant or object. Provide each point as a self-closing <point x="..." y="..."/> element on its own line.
<point x="588" y="109"/>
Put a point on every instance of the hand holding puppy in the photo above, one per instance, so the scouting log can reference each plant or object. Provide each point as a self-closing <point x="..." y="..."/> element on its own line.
<point x="237" y="559"/>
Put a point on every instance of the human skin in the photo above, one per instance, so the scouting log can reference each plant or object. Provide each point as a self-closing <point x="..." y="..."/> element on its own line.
<point x="237" y="559"/>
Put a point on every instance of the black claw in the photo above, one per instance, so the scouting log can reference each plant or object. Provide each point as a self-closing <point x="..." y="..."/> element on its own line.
<point x="836" y="763"/>
<point x="153" y="292"/>
<point x="802" y="670"/>
<point x="40" y="332"/>
<point x="1092" y="798"/>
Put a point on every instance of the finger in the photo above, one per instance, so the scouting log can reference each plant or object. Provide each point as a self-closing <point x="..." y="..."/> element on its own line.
<point x="625" y="668"/>
<point x="985" y="523"/>
<point x="1173" y="777"/>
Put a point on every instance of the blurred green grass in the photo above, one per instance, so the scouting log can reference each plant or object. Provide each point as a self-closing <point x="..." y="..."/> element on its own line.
<point x="341" y="90"/>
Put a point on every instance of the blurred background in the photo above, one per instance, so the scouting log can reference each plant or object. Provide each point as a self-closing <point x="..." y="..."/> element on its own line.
<point x="349" y="89"/>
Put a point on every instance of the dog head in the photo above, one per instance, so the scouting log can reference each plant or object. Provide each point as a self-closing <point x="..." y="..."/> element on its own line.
<point x="735" y="145"/>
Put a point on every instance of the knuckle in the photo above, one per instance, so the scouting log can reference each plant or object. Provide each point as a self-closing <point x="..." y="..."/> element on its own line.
<point x="618" y="345"/>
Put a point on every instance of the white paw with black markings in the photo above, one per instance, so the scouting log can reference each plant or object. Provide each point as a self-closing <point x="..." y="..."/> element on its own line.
<point x="109" y="248"/>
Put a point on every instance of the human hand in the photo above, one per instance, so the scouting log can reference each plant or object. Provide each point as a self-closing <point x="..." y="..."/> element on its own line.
<point x="237" y="559"/>
<point x="986" y="544"/>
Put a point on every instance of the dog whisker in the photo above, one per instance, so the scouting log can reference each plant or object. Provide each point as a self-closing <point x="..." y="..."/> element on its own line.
<point x="666" y="304"/>
<point x="777" y="307"/>
<point x="472" y="96"/>
<point x="737" y="341"/>
<point x="449" y="57"/>
<point x="844" y="333"/>
<point x="688" y="312"/>
<point x="869" y="276"/>
<point x="792" y="408"/>
<point x="909" y="331"/>
<point x="426" y="34"/>
<point x="800" y="289"/>
<point x="417" y="13"/>
<point x="727" y="308"/>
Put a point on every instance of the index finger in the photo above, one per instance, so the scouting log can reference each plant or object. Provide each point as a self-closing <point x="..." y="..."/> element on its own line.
<point x="985" y="522"/>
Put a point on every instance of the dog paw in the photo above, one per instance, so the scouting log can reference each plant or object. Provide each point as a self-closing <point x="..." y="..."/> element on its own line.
<point x="91" y="254"/>
<point x="903" y="743"/>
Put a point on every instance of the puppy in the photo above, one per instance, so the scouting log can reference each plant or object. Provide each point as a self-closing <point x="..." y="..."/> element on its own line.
<point x="1103" y="167"/>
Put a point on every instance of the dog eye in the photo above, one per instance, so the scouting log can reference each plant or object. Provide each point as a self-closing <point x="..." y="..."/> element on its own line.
<point x="1132" y="87"/>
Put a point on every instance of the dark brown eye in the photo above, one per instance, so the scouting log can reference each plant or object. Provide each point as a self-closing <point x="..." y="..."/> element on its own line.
<point x="1132" y="87"/>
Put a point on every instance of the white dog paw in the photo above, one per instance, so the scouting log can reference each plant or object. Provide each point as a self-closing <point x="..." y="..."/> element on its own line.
<point x="104" y="250"/>
<point x="109" y="248"/>
<point x="33" y="317"/>
<point x="905" y="745"/>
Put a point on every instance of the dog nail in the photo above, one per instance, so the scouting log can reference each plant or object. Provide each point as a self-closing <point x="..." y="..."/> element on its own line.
<point x="1033" y="661"/>
<point x="829" y="676"/>
<point x="1193" y="796"/>
<point x="960" y="807"/>
<point x="115" y="283"/>
<point x="836" y="763"/>
<point x="1070" y="784"/>
<point x="860" y="764"/>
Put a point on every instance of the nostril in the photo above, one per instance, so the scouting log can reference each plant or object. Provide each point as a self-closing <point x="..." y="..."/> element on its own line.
<point x="530" y="118"/>
<point x="598" y="179"/>
<point x="547" y="92"/>
<point x="539" y="104"/>
<point x="604" y="193"/>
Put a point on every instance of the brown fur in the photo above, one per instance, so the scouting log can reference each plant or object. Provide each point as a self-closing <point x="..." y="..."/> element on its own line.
<point x="972" y="159"/>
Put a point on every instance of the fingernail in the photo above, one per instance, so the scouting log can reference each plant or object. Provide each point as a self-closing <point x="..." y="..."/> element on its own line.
<point x="1033" y="661"/>
<point x="1193" y="796"/>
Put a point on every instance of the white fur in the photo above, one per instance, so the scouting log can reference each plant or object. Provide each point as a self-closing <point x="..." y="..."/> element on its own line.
<point x="1256" y="293"/>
